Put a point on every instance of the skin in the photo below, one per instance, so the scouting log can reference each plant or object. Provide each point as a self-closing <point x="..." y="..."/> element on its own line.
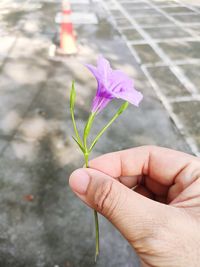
<point x="152" y="196"/>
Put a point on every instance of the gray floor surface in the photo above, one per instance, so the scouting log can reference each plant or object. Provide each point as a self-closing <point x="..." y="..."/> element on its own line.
<point x="42" y="223"/>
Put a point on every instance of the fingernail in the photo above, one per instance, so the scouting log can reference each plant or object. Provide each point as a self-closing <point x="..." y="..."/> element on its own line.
<point x="79" y="181"/>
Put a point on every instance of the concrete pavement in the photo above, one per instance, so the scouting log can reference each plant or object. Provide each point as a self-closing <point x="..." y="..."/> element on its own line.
<point x="41" y="222"/>
<point x="163" y="36"/>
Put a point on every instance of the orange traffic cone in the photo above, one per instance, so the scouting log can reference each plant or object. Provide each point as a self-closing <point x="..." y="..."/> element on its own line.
<point x="67" y="38"/>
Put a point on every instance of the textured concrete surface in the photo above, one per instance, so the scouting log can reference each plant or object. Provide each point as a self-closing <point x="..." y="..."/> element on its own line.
<point x="163" y="37"/>
<point x="42" y="223"/>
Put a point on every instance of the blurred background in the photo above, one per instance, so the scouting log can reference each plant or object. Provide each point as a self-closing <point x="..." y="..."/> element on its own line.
<point x="43" y="46"/>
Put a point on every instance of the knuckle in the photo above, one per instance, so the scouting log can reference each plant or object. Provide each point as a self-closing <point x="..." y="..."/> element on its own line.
<point x="106" y="198"/>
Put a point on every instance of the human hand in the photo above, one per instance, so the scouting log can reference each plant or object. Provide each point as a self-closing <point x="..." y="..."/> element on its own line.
<point x="161" y="217"/>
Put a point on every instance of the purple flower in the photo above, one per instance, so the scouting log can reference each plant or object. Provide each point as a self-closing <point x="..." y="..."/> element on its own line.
<point x="112" y="84"/>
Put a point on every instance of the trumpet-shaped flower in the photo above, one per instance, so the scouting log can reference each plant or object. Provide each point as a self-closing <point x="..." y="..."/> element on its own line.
<point x="112" y="84"/>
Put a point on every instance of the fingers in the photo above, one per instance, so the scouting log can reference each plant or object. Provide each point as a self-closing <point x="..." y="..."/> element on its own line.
<point x="130" y="181"/>
<point x="161" y="164"/>
<point x="144" y="191"/>
<point x="184" y="181"/>
<point x="156" y="188"/>
<point x="126" y="209"/>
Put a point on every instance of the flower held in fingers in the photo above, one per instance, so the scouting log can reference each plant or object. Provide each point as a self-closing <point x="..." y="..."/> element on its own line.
<point x="110" y="84"/>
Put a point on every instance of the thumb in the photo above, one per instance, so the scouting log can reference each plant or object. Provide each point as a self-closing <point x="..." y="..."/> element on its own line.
<point x="135" y="216"/>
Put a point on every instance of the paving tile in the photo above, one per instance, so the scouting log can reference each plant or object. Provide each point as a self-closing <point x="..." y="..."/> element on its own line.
<point x="28" y="48"/>
<point x="23" y="71"/>
<point x="35" y="24"/>
<point x="162" y="2"/>
<point x="102" y="30"/>
<point x="192" y="72"/>
<point x="117" y="13"/>
<point x="14" y="18"/>
<point x="14" y="104"/>
<point x="179" y="9"/>
<point x="6" y="43"/>
<point x="182" y="50"/>
<point x="132" y="35"/>
<point x="3" y="144"/>
<point x="153" y="21"/>
<point x="37" y="27"/>
<point x="80" y="7"/>
<point x="132" y="1"/>
<point x="123" y="22"/>
<point x="44" y="118"/>
<point x="136" y="5"/>
<point x="169" y="85"/>
<point x="189" y="113"/>
<point x="195" y="29"/>
<point x="20" y="81"/>
<point x="167" y="32"/>
<point x="111" y="5"/>
<point x="146" y="53"/>
<point x="187" y="18"/>
<point x="142" y="12"/>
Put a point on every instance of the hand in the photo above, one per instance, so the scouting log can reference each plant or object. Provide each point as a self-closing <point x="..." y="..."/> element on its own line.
<point x="152" y="195"/>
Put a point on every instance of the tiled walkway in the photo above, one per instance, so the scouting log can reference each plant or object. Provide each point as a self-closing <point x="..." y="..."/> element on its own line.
<point x="164" y="38"/>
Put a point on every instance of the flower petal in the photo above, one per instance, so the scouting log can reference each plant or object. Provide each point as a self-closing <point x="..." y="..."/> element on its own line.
<point x="104" y="68"/>
<point x="132" y="96"/>
<point x="93" y="69"/>
<point x="119" y="81"/>
<point x="96" y="74"/>
<point x="99" y="103"/>
<point x="112" y="84"/>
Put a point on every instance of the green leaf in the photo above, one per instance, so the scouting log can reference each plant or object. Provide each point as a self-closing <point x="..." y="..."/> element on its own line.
<point x="89" y="124"/>
<point x="72" y="96"/>
<point x="72" y="104"/>
<point x="88" y="128"/>
<point x="80" y="146"/>
<point x="122" y="108"/>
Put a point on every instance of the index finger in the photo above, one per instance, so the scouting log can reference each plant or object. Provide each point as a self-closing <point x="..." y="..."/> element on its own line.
<point x="161" y="164"/>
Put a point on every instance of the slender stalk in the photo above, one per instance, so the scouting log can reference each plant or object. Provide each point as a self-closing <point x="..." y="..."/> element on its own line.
<point x="88" y="128"/>
<point x="72" y="102"/>
<point x="119" y="112"/>
<point x="86" y="157"/>
<point x="96" y="220"/>
<point x="75" y="127"/>
<point x="102" y="131"/>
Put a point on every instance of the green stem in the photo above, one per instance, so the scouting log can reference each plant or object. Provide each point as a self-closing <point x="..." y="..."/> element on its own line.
<point x="72" y="103"/>
<point x="119" y="112"/>
<point x="75" y="127"/>
<point x="102" y="131"/>
<point x="88" y="128"/>
<point x="96" y="233"/>
<point x="86" y="157"/>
